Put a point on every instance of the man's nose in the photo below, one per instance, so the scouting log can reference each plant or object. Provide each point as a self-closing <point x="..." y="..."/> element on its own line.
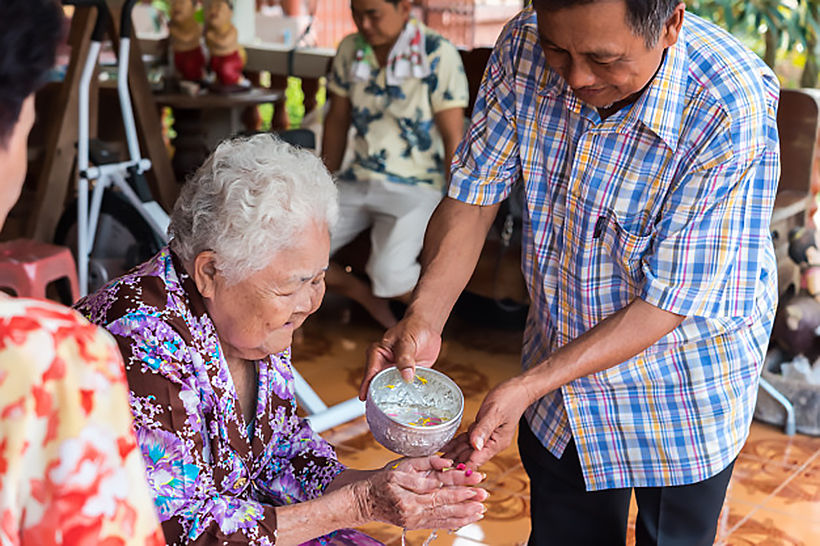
<point x="579" y="75"/>
<point x="365" y="24"/>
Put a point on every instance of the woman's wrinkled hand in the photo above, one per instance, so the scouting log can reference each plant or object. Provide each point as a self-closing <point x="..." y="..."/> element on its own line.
<point x="423" y="493"/>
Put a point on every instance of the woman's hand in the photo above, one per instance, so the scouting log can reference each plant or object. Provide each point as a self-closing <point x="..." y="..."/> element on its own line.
<point x="422" y="493"/>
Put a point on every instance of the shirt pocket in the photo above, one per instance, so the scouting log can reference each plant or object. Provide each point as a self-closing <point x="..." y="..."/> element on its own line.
<point x="618" y="252"/>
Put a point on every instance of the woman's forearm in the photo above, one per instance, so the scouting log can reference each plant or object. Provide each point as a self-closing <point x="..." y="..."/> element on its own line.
<point x="340" y="508"/>
<point x="348" y="476"/>
<point x="416" y="493"/>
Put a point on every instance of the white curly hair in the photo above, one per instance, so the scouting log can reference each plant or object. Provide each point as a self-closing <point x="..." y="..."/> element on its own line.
<point x="248" y="201"/>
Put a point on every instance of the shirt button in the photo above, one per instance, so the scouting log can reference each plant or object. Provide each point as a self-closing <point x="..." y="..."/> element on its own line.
<point x="240" y="483"/>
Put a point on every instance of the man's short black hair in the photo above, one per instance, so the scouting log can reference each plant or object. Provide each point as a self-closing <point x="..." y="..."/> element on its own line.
<point x="645" y="17"/>
<point x="29" y="33"/>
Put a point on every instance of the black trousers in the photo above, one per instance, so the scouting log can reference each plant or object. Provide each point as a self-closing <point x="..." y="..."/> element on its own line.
<point x="563" y="512"/>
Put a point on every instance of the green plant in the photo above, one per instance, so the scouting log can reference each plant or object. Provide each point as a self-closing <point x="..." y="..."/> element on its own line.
<point x="776" y="29"/>
<point x="162" y="5"/>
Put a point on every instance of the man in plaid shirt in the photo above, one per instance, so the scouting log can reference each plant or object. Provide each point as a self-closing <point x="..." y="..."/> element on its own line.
<point x="646" y="143"/>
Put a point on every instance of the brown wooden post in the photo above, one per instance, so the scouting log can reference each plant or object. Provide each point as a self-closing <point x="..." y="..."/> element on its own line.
<point x="310" y="86"/>
<point x="280" y="118"/>
<point x="250" y="115"/>
<point x="60" y="154"/>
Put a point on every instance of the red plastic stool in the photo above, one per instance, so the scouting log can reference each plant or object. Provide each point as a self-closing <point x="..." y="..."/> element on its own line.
<point x="27" y="267"/>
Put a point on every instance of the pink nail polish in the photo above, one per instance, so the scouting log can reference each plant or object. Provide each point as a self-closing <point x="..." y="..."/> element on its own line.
<point x="468" y="472"/>
<point x="461" y="466"/>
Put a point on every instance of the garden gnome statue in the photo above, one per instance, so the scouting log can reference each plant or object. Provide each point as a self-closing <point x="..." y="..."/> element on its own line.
<point x="797" y="323"/>
<point x="186" y="34"/>
<point x="221" y="37"/>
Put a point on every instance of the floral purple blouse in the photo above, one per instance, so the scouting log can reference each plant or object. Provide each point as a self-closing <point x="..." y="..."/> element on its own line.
<point x="212" y="483"/>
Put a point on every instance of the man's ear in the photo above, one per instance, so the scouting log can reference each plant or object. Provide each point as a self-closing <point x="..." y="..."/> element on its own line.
<point x="671" y="29"/>
<point x="204" y="273"/>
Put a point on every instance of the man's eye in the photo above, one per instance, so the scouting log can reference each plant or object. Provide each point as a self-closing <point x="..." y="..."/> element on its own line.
<point x="604" y="62"/>
<point x="555" y="52"/>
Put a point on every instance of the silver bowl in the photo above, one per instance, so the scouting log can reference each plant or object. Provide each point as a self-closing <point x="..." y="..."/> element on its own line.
<point x="414" y="419"/>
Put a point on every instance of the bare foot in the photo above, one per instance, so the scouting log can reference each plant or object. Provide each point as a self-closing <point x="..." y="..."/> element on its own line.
<point x="379" y="309"/>
<point x="359" y="291"/>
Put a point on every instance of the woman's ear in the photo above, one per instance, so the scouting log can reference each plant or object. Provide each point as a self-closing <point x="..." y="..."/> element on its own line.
<point x="204" y="273"/>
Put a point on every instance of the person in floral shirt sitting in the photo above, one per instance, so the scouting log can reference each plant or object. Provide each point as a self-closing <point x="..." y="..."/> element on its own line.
<point x="205" y="327"/>
<point x="70" y="470"/>
<point x="402" y="88"/>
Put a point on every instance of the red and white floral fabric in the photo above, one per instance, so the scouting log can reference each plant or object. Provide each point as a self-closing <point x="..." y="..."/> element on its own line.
<point x="70" y="470"/>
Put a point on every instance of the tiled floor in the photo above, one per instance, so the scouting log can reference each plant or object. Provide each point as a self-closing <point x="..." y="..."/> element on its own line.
<point x="773" y="498"/>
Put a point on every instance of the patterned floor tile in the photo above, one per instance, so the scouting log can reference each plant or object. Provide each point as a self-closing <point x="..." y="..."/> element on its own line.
<point x="772" y="499"/>
<point x="800" y="495"/>
<point x="754" y="482"/>
<point x="766" y="528"/>
<point x="770" y="445"/>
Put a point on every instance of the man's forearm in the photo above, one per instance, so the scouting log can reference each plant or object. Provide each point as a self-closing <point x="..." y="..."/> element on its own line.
<point x="452" y="244"/>
<point x="450" y="124"/>
<point x="334" y="142"/>
<point x="611" y="342"/>
<point x="334" y="132"/>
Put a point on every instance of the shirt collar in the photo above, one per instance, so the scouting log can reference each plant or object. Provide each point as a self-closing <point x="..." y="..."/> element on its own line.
<point x="186" y="283"/>
<point x="659" y="107"/>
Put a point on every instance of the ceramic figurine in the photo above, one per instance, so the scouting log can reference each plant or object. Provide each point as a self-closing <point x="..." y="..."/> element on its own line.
<point x="227" y="57"/>
<point x="797" y="323"/>
<point x="186" y="34"/>
<point x="803" y="250"/>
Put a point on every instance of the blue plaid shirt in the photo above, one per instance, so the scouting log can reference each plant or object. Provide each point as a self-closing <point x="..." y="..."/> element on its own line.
<point x="668" y="200"/>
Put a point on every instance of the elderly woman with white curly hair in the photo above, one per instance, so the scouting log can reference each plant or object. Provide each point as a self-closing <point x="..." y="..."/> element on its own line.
<point x="205" y="328"/>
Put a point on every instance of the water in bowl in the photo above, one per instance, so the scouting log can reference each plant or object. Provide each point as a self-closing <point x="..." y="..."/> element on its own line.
<point x="416" y="415"/>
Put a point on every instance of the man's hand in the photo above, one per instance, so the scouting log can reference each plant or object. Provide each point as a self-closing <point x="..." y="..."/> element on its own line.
<point x="495" y="424"/>
<point x="408" y="344"/>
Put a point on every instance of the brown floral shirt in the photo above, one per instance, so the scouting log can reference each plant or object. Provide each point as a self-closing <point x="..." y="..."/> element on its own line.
<point x="212" y="481"/>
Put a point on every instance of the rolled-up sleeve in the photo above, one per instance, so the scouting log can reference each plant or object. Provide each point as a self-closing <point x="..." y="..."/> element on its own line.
<point x="486" y="163"/>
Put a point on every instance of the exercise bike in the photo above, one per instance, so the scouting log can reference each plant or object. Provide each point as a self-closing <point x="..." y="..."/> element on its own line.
<point x="116" y="224"/>
<point x="121" y="225"/>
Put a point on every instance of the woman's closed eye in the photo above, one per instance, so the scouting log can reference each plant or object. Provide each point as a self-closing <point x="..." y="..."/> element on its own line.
<point x="293" y="289"/>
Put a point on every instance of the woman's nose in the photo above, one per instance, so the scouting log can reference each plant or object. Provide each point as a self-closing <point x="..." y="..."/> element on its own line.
<point x="310" y="300"/>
